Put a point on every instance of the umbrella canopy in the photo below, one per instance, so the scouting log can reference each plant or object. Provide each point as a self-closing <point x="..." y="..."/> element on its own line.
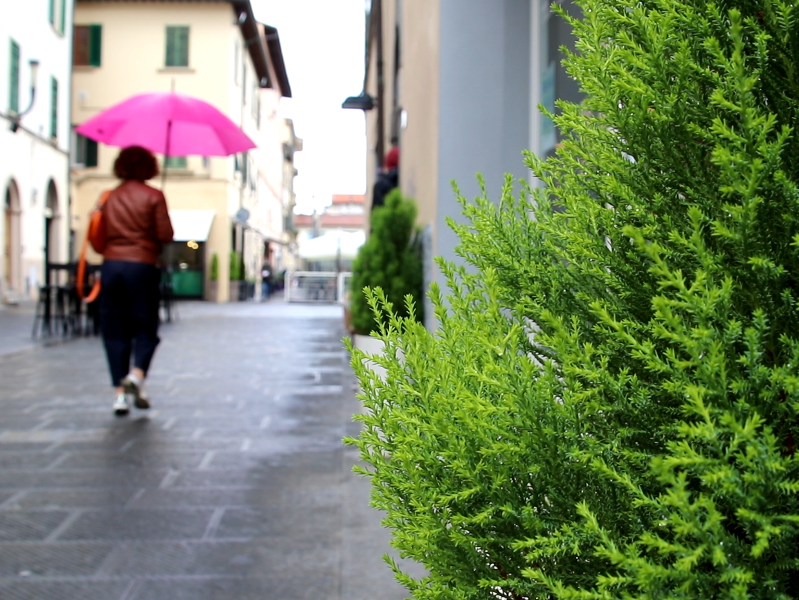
<point x="328" y="246"/>
<point x="167" y="123"/>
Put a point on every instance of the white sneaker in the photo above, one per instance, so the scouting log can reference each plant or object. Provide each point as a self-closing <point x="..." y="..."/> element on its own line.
<point x="135" y="388"/>
<point x="121" y="407"/>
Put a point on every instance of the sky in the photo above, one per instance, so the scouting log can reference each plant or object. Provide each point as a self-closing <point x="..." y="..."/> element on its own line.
<point x="323" y="49"/>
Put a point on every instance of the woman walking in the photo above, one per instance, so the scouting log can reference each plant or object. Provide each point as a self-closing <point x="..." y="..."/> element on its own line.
<point x="137" y="226"/>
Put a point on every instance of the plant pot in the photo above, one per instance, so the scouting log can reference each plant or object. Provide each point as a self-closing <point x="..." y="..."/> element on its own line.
<point x="371" y="347"/>
<point x="235" y="291"/>
<point x="212" y="295"/>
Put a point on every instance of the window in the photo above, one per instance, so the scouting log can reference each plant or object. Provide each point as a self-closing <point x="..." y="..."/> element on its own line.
<point x="236" y="61"/>
<point x="87" y="45"/>
<point x="57" y="14"/>
<point x="255" y="104"/>
<point x="175" y="162"/>
<point x="84" y="151"/>
<point x="13" y="79"/>
<point x="243" y="166"/>
<point x="177" y="46"/>
<point x="53" y="107"/>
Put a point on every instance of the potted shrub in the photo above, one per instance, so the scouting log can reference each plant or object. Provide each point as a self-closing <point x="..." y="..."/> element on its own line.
<point x="213" y="278"/>
<point x="235" y="277"/>
<point x="609" y="408"/>
<point x="391" y="259"/>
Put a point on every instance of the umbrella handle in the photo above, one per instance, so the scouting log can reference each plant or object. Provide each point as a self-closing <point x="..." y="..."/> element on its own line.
<point x="166" y="153"/>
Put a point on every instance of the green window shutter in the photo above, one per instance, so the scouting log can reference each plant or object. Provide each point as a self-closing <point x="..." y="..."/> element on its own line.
<point x="95" y="45"/>
<point x="184" y="46"/>
<point x="170" y="46"/>
<point x="13" y="83"/>
<point x="91" y="153"/>
<point x="63" y="21"/>
<point x="51" y="13"/>
<point x="176" y="162"/>
<point x="53" y="107"/>
<point x="177" y="46"/>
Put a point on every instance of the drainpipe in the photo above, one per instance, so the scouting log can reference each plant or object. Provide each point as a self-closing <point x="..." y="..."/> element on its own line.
<point x="380" y="150"/>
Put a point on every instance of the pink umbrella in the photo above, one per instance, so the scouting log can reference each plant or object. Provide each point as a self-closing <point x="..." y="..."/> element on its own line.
<point x="167" y="123"/>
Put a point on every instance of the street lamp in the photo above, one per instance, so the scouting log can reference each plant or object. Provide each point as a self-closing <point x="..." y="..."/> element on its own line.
<point x="362" y="102"/>
<point x="34" y="66"/>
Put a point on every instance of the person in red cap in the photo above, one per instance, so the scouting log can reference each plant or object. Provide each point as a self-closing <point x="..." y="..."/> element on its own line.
<point x="388" y="179"/>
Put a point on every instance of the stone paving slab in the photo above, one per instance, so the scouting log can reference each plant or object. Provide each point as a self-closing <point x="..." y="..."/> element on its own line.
<point x="235" y="485"/>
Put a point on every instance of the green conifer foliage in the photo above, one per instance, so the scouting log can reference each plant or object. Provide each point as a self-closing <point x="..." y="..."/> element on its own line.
<point x="214" y="269"/>
<point x="391" y="259"/>
<point x="609" y="407"/>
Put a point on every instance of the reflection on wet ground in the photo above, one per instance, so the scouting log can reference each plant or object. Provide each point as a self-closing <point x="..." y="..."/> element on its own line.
<point x="235" y="485"/>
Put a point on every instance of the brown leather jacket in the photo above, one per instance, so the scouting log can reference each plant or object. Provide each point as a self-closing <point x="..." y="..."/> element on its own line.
<point x="137" y="223"/>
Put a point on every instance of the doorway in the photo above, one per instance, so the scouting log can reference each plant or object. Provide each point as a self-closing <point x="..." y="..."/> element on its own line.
<point x="12" y="259"/>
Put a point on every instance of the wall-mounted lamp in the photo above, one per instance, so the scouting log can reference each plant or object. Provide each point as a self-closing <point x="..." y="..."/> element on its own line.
<point x="34" y="65"/>
<point x="242" y="17"/>
<point x="362" y="102"/>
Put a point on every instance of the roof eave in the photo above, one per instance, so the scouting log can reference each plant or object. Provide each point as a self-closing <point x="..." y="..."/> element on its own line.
<point x="275" y="53"/>
<point x="252" y="36"/>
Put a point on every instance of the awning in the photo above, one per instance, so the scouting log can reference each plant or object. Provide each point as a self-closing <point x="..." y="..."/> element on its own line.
<point x="333" y="245"/>
<point x="191" y="225"/>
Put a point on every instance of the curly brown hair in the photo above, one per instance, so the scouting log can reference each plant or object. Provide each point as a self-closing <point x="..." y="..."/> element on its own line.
<point x="136" y="163"/>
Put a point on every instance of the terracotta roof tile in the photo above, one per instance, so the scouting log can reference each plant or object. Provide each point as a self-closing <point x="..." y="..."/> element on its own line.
<point x="348" y="199"/>
<point x="350" y="221"/>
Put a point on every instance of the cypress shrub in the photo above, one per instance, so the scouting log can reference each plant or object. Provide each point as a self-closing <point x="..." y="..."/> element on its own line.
<point x="235" y="266"/>
<point x="213" y="273"/>
<point x="391" y="259"/>
<point x="608" y="408"/>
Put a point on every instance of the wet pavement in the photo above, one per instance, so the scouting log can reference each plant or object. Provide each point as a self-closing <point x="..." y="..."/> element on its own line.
<point x="235" y="485"/>
<point x="16" y="327"/>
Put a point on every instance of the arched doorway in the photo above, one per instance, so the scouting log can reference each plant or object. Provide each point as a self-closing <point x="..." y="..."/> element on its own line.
<point x="52" y="222"/>
<point x="12" y="249"/>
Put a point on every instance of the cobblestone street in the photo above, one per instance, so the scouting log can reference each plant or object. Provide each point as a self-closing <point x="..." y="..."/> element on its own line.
<point x="235" y="485"/>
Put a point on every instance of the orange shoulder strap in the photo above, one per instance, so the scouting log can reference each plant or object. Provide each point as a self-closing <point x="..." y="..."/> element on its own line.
<point x="80" y="276"/>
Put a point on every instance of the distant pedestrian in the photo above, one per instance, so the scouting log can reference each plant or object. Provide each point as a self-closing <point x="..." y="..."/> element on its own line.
<point x="387" y="180"/>
<point x="137" y="226"/>
<point x="266" y="275"/>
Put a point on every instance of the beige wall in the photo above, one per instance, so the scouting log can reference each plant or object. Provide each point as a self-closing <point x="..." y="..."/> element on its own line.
<point x="389" y="30"/>
<point x="134" y="42"/>
<point x="133" y="53"/>
<point x="419" y="97"/>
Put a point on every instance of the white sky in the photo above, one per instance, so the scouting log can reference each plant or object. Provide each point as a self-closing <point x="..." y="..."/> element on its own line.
<point x="323" y="48"/>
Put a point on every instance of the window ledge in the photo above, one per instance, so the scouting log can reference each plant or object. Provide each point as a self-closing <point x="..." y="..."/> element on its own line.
<point x="85" y="68"/>
<point x="176" y="70"/>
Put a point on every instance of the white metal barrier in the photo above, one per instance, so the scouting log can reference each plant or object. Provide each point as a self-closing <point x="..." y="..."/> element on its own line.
<point x="317" y="286"/>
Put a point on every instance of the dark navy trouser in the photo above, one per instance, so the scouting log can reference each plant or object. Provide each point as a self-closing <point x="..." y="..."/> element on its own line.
<point x="129" y="315"/>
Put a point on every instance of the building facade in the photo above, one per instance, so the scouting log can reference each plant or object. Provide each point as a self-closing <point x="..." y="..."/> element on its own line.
<point x="35" y="50"/>
<point x="226" y="210"/>
<point x="344" y="216"/>
<point x="457" y="85"/>
<point x="288" y="259"/>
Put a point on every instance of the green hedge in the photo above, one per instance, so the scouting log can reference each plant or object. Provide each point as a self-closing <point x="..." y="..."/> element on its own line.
<point x="213" y="274"/>
<point x="609" y="407"/>
<point x="235" y="266"/>
<point x="391" y="259"/>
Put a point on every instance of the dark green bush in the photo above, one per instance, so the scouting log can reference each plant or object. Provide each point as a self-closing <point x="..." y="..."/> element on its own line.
<point x="391" y="259"/>
<point x="609" y="407"/>
<point x="213" y="273"/>
<point x="235" y="266"/>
